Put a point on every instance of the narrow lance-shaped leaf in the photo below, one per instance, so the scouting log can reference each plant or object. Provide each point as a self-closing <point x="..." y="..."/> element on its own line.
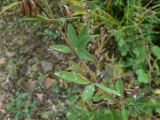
<point x="124" y="113"/>
<point x="88" y="92"/>
<point x="72" y="36"/>
<point x="8" y="7"/>
<point x="72" y="77"/>
<point x="108" y="90"/>
<point x="119" y="86"/>
<point x="61" y="48"/>
<point x="84" y="37"/>
<point x="35" y="18"/>
<point x="75" y="2"/>
<point x="84" y="54"/>
<point x="76" y="13"/>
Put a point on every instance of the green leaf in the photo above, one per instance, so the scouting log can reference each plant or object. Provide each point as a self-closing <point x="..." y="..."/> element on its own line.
<point x="76" y="13"/>
<point x="124" y="113"/>
<point x="152" y="103"/>
<point x="72" y="77"/>
<point x="75" y="3"/>
<point x="88" y="92"/>
<point x="61" y="48"/>
<point x="9" y="7"/>
<point x="84" y="54"/>
<point x="142" y="76"/>
<point x="35" y="18"/>
<point x="108" y="90"/>
<point x="104" y="17"/>
<point x="140" y="53"/>
<point x="109" y="114"/>
<point x="156" y="51"/>
<point x="158" y="110"/>
<point x="84" y="37"/>
<point x="119" y="86"/>
<point x="121" y="42"/>
<point x="72" y="36"/>
<point x="83" y="31"/>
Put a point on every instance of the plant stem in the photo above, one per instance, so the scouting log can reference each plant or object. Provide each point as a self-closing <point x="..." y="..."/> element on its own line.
<point x="50" y="15"/>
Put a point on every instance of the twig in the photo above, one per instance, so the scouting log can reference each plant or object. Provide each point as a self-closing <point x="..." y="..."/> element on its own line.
<point x="91" y="73"/>
<point x="148" y="3"/>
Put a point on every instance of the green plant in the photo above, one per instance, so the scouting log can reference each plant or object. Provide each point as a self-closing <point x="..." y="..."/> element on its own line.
<point x="124" y="82"/>
<point x="133" y="33"/>
<point x="49" y="34"/>
<point x="79" y="43"/>
<point x="21" y="106"/>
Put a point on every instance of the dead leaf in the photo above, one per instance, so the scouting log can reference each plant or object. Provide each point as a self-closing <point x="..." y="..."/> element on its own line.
<point x="2" y="110"/>
<point x="10" y="54"/>
<point x="68" y="12"/>
<point x="51" y="105"/>
<point x="48" y="83"/>
<point x="30" y="86"/>
<point x="157" y="91"/>
<point x="1" y="105"/>
<point x="53" y="108"/>
<point x="49" y="102"/>
<point x="47" y="66"/>
<point x="2" y="60"/>
<point x="40" y="96"/>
